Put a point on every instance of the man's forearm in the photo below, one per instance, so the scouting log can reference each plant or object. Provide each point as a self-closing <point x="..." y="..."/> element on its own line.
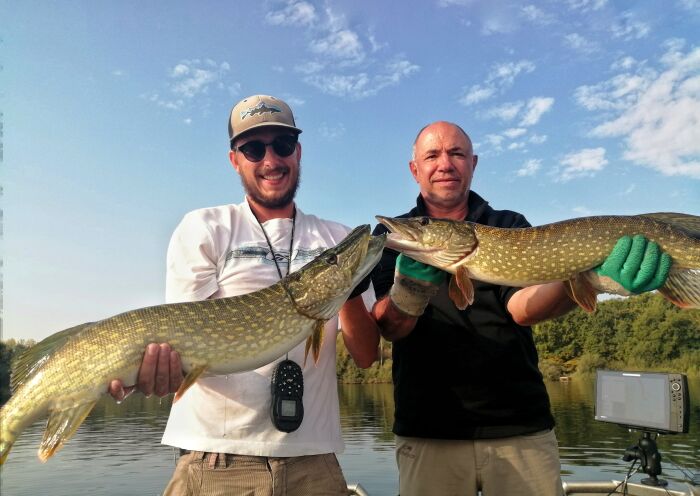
<point x="393" y="323"/>
<point x="531" y="305"/>
<point x="360" y="332"/>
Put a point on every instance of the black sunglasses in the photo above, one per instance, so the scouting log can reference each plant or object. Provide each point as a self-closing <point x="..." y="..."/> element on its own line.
<point x="255" y="150"/>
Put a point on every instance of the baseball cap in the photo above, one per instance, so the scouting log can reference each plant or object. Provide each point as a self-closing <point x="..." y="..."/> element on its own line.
<point x="258" y="111"/>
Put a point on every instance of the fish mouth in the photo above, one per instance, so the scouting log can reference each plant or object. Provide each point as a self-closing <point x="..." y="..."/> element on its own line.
<point x="360" y="252"/>
<point x="375" y="248"/>
<point x="404" y="237"/>
<point x="415" y="238"/>
<point x="371" y="251"/>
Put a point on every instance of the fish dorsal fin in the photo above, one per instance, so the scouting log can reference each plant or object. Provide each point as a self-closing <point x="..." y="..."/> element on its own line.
<point x="190" y="379"/>
<point x="32" y="359"/>
<point x="61" y="425"/>
<point x="682" y="288"/>
<point x="461" y="289"/>
<point x="580" y="290"/>
<point x="314" y="341"/>
<point x="690" y="224"/>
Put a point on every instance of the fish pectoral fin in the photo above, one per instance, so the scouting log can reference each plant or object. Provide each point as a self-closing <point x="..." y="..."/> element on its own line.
<point x="61" y="426"/>
<point x="682" y="288"/>
<point x="461" y="289"/>
<point x="582" y="292"/>
<point x="313" y="342"/>
<point x="190" y="379"/>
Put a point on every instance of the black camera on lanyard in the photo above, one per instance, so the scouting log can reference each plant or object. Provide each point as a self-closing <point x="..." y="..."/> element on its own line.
<point x="287" y="409"/>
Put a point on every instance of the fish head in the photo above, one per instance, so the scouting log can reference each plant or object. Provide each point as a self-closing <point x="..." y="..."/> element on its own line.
<point x="442" y="243"/>
<point x="321" y="287"/>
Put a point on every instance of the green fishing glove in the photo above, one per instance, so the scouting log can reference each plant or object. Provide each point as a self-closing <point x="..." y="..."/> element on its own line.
<point x="414" y="284"/>
<point x="637" y="264"/>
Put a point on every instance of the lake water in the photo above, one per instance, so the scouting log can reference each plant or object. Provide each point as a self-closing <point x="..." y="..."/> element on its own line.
<point x="117" y="449"/>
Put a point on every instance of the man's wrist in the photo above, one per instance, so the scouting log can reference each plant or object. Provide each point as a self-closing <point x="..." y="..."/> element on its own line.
<point x="411" y="296"/>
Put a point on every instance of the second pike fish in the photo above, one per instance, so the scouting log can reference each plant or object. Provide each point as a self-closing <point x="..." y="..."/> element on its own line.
<point x="562" y="251"/>
<point x="65" y="374"/>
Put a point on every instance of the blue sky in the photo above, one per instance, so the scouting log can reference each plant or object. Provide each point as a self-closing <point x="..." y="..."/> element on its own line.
<point x="114" y="121"/>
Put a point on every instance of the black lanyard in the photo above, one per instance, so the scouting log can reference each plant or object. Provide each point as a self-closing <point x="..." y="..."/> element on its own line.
<point x="272" y="251"/>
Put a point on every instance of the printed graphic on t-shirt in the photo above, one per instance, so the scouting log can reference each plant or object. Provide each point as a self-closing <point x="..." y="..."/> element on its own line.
<point x="265" y="256"/>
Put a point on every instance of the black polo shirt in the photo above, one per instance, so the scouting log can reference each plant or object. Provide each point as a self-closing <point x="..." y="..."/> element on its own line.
<point x="469" y="374"/>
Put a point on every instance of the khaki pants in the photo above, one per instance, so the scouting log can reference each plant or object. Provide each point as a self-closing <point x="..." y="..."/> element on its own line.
<point x="218" y="474"/>
<point x="522" y="465"/>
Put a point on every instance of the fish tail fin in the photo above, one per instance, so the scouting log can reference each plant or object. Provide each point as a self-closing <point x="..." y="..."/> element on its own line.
<point x="690" y="224"/>
<point x="61" y="426"/>
<point x="682" y="288"/>
<point x="313" y="342"/>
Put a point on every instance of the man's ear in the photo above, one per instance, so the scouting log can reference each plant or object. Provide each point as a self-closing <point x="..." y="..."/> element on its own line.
<point x="413" y="167"/>
<point x="232" y="159"/>
<point x="476" y="159"/>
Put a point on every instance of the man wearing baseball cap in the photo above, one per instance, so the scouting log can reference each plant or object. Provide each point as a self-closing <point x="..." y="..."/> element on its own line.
<point x="229" y="443"/>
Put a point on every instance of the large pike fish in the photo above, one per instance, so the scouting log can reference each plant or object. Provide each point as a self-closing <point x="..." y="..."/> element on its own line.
<point x="562" y="251"/>
<point x="65" y="374"/>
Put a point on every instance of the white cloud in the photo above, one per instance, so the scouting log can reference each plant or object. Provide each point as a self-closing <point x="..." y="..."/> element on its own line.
<point x="331" y="131"/>
<point x="583" y="163"/>
<point x="619" y="92"/>
<point x="691" y="5"/>
<point x="530" y="167"/>
<point x="505" y="74"/>
<point x="534" y="110"/>
<point x="362" y="85"/>
<point x="495" y="141"/>
<point x="505" y="112"/>
<point x="310" y="67"/>
<point x="582" y="211"/>
<point x="628" y="28"/>
<point x="580" y="44"/>
<point x="193" y="77"/>
<point x="293" y="14"/>
<point x="514" y="132"/>
<point x="338" y="64"/>
<point x="294" y="101"/>
<point x="625" y="63"/>
<point x="657" y="113"/>
<point x="341" y="45"/>
<point x="536" y="15"/>
<point x="586" y="5"/>
<point x="448" y="3"/>
<point x="500" y="77"/>
<point x="476" y="94"/>
<point x="628" y="190"/>
<point x="497" y="22"/>
<point x="189" y="80"/>
<point x="530" y="112"/>
<point x="538" y="139"/>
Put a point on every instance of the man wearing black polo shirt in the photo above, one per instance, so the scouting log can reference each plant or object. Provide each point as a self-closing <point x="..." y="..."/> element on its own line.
<point x="472" y="412"/>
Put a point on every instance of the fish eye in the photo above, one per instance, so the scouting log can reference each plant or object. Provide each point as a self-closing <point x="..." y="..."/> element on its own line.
<point x="424" y="221"/>
<point x="332" y="259"/>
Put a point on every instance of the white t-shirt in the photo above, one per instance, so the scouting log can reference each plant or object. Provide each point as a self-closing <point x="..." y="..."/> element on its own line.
<point x="220" y="252"/>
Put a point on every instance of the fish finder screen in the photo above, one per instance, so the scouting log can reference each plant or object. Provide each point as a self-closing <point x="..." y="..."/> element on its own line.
<point x="633" y="399"/>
